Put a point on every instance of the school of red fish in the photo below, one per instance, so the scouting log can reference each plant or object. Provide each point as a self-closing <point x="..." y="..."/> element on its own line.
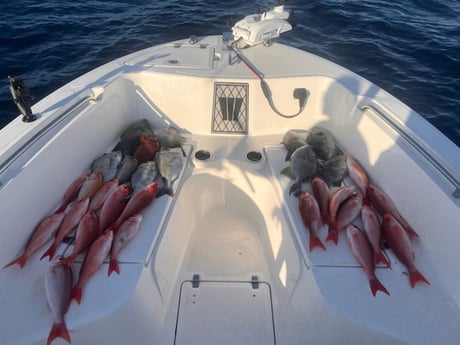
<point x="362" y="201"/>
<point x="100" y="215"/>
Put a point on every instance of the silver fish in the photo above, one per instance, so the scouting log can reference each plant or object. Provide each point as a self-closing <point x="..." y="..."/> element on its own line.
<point x="58" y="287"/>
<point x="145" y="174"/>
<point x="292" y="140"/>
<point x="334" y="170"/>
<point x="170" y="137"/>
<point x="303" y="167"/>
<point x="136" y="129"/>
<point x="169" y="164"/>
<point x="107" y="164"/>
<point x="126" y="168"/>
<point x="323" y="143"/>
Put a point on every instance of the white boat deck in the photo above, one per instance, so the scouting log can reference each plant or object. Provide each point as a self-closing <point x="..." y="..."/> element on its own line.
<point x="231" y="224"/>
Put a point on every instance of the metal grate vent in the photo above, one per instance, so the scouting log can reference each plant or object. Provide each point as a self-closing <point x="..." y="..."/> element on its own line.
<point x="230" y="108"/>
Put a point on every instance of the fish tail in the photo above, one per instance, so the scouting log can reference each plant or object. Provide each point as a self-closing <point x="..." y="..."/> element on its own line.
<point x="315" y="242"/>
<point x="325" y="218"/>
<point x="415" y="276"/>
<point x="50" y="252"/>
<point x="333" y="234"/>
<point x="376" y="285"/>
<point x="21" y="261"/>
<point x="379" y="257"/>
<point x="76" y="294"/>
<point x="113" y="267"/>
<point x="59" y="330"/>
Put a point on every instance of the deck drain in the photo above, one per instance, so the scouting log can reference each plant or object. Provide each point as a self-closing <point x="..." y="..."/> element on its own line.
<point x="202" y="155"/>
<point x="253" y="156"/>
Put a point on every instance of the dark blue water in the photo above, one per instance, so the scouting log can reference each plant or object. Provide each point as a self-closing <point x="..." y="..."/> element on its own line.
<point x="411" y="48"/>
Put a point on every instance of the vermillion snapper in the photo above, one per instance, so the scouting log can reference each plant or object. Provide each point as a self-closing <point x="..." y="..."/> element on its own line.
<point x="311" y="218"/>
<point x="399" y="242"/>
<point x="58" y="287"/>
<point x="42" y="234"/>
<point x="361" y="250"/>
<point x="127" y="231"/>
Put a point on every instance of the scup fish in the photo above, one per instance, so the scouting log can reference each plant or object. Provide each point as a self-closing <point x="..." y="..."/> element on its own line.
<point x="399" y="241"/>
<point x="373" y="232"/>
<point x="170" y="137"/>
<point x="107" y="164"/>
<point x="145" y="174"/>
<point x="292" y="140"/>
<point x="361" y="250"/>
<point x="147" y="149"/>
<point x="384" y="204"/>
<point x="128" y="146"/>
<point x="58" y="286"/>
<point x="335" y="201"/>
<point x="137" y="203"/>
<point x="94" y="258"/>
<point x="87" y="231"/>
<point x="334" y="170"/>
<point x="72" y="192"/>
<point x="69" y="222"/>
<point x="321" y="193"/>
<point x="311" y="218"/>
<point x="126" y="168"/>
<point x="323" y="143"/>
<point x="44" y="232"/>
<point x="136" y="129"/>
<point x="303" y="167"/>
<point x="357" y="175"/>
<point x="113" y="206"/>
<point x="102" y="194"/>
<point x="169" y="163"/>
<point x="128" y="230"/>
<point x="91" y="185"/>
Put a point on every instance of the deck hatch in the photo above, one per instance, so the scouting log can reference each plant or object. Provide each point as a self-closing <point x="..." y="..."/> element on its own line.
<point x="230" y="108"/>
<point x="225" y="313"/>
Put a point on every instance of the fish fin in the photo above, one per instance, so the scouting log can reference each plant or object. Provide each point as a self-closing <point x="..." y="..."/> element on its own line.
<point x="50" y="252"/>
<point x="113" y="267"/>
<point x="415" y="276"/>
<point x="76" y="294"/>
<point x="376" y="285"/>
<point x="287" y="171"/>
<point x="21" y="261"/>
<point x="315" y="242"/>
<point x="59" y="330"/>
<point x="295" y="189"/>
<point x="379" y="257"/>
<point x="333" y="234"/>
<point x="411" y="232"/>
<point x="68" y="261"/>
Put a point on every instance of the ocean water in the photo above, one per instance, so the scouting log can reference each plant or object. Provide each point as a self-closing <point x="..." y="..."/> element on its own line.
<point x="411" y="48"/>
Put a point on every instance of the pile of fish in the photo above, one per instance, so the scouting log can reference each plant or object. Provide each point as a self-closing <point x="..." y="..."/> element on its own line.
<point x="100" y="212"/>
<point x="369" y="217"/>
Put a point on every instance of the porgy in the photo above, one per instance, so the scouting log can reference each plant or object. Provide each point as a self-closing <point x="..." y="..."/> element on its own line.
<point x="303" y="167"/>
